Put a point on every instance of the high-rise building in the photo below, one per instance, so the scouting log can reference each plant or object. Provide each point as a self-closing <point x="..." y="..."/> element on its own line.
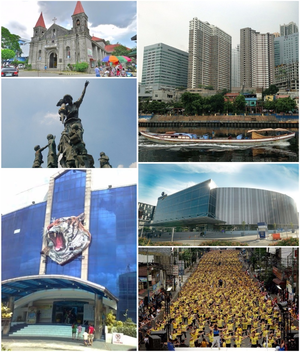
<point x="164" y="67"/>
<point x="287" y="29"/>
<point x="235" y="67"/>
<point x="256" y="59"/>
<point x="209" y="56"/>
<point x="286" y="53"/>
<point x="286" y="49"/>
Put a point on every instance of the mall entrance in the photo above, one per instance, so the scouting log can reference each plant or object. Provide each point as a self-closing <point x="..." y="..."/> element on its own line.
<point x="68" y="312"/>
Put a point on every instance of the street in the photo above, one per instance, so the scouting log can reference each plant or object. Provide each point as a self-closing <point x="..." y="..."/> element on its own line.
<point x="194" y="239"/>
<point x="220" y="304"/>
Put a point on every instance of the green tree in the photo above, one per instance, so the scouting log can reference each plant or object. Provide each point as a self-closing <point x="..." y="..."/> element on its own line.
<point x="10" y="41"/>
<point x="120" y="50"/>
<point x="269" y="105"/>
<point x="272" y="90"/>
<point x="217" y="103"/>
<point x="285" y="104"/>
<point x="7" y="54"/>
<point x="239" y="103"/>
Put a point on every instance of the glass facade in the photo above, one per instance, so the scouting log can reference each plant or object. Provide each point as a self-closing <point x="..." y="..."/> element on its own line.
<point x="193" y="202"/>
<point x="68" y="200"/>
<point x="235" y="205"/>
<point x="113" y="248"/>
<point x="22" y="233"/>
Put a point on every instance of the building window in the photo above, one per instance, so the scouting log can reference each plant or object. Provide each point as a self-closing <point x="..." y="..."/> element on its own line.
<point x="40" y="54"/>
<point x="68" y="52"/>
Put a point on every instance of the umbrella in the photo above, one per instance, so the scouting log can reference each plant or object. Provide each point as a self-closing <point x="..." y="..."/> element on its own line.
<point x="123" y="59"/>
<point x="113" y="59"/>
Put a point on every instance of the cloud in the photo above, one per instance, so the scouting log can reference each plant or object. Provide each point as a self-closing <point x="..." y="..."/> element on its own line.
<point x="133" y="165"/>
<point x="120" y="166"/>
<point x="50" y="118"/>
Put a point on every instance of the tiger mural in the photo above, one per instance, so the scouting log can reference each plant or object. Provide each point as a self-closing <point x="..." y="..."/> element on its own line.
<point x="66" y="238"/>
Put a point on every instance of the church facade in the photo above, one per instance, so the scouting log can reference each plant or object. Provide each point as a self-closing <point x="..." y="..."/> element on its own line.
<point x="58" y="47"/>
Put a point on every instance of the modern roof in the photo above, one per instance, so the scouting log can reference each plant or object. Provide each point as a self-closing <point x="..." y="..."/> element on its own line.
<point x="23" y="286"/>
<point x="40" y="21"/>
<point x="78" y="8"/>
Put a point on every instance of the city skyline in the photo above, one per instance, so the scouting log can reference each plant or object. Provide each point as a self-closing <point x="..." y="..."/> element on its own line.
<point x="151" y="14"/>
<point x="171" y="178"/>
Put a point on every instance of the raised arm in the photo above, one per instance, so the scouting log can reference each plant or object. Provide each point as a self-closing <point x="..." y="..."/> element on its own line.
<point x="79" y="101"/>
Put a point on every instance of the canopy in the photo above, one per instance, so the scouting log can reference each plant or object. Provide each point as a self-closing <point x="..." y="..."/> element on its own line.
<point x="22" y="286"/>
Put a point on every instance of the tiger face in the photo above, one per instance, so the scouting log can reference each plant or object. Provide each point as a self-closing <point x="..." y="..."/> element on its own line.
<point x="66" y="238"/>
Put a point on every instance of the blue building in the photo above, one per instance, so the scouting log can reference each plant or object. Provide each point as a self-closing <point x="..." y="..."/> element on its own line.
<point x="73" y="256"/>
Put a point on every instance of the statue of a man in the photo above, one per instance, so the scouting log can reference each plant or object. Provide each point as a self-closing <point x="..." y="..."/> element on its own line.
<point x="38" y="158"/>
<point x="69" y="110"/>
<point x="52" y="157"/>
<point x="104" y="161"/>
<point x="69" y="115"/>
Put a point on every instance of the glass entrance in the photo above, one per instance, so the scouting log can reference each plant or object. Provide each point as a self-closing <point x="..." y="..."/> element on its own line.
<point x="68" y="312"/>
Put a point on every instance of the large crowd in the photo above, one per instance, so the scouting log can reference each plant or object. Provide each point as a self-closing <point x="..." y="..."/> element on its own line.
<point x="220" y="305"/>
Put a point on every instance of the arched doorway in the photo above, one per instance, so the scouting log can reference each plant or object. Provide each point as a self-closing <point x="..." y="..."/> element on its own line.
<point x="53" y="60"/>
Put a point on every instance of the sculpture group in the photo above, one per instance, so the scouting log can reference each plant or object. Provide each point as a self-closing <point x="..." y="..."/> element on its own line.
<point x="71" y="149"/>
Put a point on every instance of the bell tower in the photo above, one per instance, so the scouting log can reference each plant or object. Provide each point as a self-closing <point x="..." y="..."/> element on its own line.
<point x="40" y="28"/>
<point x="80" y="20"/>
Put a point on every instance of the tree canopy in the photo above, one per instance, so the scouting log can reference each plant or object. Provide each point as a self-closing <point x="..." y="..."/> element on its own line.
<point x="10" y="41"/>
<point x="120" y="50"/>
<point x="7" y="54"/>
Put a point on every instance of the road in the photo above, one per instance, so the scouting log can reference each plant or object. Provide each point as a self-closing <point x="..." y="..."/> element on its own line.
<point x="193" y="238"/>
<point x="49" y="73"/>
<point x="52" y="73"/>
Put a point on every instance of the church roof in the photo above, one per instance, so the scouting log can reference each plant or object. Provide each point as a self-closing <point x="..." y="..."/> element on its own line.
<point x="110" y="48"/>
<point x="40" y="22"/>
<point x="96" y="39"/>
<point x="78" y="8"/>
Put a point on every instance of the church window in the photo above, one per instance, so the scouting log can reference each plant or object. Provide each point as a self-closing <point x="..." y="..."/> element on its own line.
<point x="40" y="54"/>
<point x="78" y="22"/>
<point x="68" y="52"/>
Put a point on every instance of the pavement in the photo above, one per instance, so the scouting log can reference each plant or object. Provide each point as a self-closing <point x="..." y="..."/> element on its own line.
<point x="250" y="238"/>
<point x="54" y="73"/>
<point x="57" y="344"/>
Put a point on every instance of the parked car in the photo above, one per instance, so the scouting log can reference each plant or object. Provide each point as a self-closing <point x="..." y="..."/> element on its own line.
<point x="21" y="66"/>
<point x="9" y="72"/>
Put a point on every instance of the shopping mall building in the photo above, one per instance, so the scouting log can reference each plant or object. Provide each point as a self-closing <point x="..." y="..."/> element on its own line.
<point x="204" y="204"/>
<point x="71" y="257"/>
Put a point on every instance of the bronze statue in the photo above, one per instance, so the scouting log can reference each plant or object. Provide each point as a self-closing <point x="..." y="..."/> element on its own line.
<point x="104" y="161"/>
<point x="52" y="157"/>
<point x="38" y="159"/>
<point x="72" y="151"/>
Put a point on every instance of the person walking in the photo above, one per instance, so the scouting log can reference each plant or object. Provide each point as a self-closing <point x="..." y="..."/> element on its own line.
<point x="79" y="330"/>
<point x="74" y="331"/>
<point x="97" y="71"/>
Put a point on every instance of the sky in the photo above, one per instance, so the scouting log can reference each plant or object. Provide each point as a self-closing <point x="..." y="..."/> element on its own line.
<point x="108" y="115"/>
<point x="110" y="20"/>
<point x="171" y="178"/>
<point x="167" y="21"/>
<point x="20" y="189"/>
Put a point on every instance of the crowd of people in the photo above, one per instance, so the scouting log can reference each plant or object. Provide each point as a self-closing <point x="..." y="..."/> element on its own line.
<point x="220" y="305"/>
<point x="112" y="71"/>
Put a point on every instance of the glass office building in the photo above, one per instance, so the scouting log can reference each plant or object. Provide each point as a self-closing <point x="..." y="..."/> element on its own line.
<point x="205" y="204"/>
<point x="194" y="205"/>
<point x="90" y="282"/>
